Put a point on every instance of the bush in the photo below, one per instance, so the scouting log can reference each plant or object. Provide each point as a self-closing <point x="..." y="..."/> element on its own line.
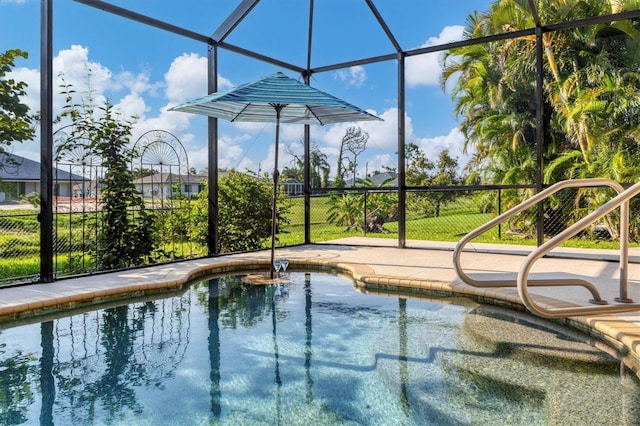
<point x="244" y="216"/>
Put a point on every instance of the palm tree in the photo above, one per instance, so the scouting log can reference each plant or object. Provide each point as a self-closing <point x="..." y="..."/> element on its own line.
<point x="590" y="82"/>
<point x="319" y="168"/>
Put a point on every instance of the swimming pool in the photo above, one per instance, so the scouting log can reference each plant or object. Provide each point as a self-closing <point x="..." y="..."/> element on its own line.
<point x="315" y="351"/>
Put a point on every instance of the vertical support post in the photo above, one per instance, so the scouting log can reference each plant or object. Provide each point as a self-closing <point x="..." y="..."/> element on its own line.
<point x="624" y="254"/>
<point x="539" y="133"/>
<point x="307" y="137"/>
<point x="402" y="204"/>
<point x="212" y="161"/>
<point x="307" y="178"/>
<point x="46" y="141"/>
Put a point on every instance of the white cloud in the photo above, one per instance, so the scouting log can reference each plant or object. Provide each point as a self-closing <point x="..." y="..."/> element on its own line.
<point x="426" y="69"/>
<point x="187" y="78"/>
<point x="454" y="142"/>
<point x="132" y="105"/>
<point x="354" y="76"/>
<point x="137" y="83"/>
<point x="70" y="67"/>
<point x="32" y="78"/>
<point x="233" y="154"/>
<point x="255" y="126"/>
<point x="378" y="163"/>
<point x="85" y="76"/>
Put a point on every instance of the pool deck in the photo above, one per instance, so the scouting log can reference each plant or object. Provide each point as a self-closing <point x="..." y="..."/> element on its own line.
<point x="380" y="264"/>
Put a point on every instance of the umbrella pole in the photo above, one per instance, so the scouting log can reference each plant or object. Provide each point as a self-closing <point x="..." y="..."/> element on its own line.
<point x="276" y="173"/>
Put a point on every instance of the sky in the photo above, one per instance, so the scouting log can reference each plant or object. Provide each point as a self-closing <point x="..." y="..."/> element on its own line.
<point x="143" y="70"/>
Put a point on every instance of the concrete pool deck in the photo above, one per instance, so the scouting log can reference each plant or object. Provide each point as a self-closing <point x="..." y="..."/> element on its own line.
<point x="376" y="262"/>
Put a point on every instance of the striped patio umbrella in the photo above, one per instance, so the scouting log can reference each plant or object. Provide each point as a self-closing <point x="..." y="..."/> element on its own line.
<point x="276" y="98"/>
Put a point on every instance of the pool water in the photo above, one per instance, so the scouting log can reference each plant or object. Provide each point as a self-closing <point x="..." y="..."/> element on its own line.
<point x="314" y="351"/>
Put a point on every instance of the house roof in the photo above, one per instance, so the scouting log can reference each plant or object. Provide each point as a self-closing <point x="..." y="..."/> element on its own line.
<point x="16" y="168"/>
<point x="378" y="178"/>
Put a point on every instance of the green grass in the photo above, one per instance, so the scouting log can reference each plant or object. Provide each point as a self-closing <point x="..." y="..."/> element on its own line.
<point x="19" y="267"/>
<point x="20" y="240"/>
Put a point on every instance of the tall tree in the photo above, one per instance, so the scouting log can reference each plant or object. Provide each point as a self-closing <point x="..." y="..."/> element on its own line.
<point x="319" y="167"/>
<point x="354" y="141"/>
<point x="590" y="90"/>
<point x="423" y="172"/>
<point x="419" y="167"/>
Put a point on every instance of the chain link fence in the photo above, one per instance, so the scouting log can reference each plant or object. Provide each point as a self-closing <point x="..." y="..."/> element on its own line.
<point x="19" y="245"/>
<point x="432" y="214"/>
<point x="447" y="214"/>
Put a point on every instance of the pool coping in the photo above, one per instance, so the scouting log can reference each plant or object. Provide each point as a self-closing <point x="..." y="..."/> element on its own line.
<point x="375" y="269"/>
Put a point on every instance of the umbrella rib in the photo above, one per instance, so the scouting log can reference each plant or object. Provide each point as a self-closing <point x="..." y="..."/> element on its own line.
<point x="239" y="114"/>
<point x="314" y="114"/>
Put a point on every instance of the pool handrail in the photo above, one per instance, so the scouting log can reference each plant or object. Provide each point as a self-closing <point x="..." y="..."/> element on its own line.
<point x="573" y="183"/>
<point x="626" y="304"/>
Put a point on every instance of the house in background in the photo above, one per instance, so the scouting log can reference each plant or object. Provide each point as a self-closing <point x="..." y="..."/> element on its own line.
<point x="168" y="185"/>
<point x="292" y="187"/>
<point x="379" y="178"/>
<point x="20" y="176"/>
<point x="376" y="179"/>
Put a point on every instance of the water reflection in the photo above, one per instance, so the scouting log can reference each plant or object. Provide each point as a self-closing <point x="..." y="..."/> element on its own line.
<point x="308" y="328"/>
<point x="214" y="347"/>
<point x="47" y="383"/>
<point x="16" y="389"/>
<point x="402" y="355"/>
<point x="90" y="365"/>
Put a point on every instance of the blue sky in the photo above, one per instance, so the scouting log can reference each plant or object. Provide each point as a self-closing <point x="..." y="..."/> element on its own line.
<point x="144" y="70"/>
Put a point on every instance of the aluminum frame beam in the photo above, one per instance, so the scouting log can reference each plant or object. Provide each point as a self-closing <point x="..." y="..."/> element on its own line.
<point x="46" y="141"/>
<point x="233" y="20"/>
<point x="138" y="17"/>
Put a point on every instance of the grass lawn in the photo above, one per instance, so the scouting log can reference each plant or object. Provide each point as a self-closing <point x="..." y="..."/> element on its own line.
<point x="20" y="235"/>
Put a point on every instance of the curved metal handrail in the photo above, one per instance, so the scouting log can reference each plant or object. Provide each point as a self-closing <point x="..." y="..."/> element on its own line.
<point x="622" y="201"/>
<point x="575" y="183"/>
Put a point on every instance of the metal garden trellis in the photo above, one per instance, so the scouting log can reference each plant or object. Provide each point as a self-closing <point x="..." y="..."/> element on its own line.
<point x="280" y="99"/>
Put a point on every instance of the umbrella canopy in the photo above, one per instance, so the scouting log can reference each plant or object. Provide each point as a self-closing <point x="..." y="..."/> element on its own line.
<point x="256" y="101"/>
<point x="280" y="99"/>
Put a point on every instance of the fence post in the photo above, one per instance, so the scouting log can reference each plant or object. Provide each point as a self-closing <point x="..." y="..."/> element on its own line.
<point x="499" y="212"/>
<point x="365" y="213"/>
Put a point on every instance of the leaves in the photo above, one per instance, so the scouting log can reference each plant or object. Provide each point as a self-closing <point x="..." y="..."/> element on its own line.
<point x="16" y="122"/>
<point x="244" y="215"/>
